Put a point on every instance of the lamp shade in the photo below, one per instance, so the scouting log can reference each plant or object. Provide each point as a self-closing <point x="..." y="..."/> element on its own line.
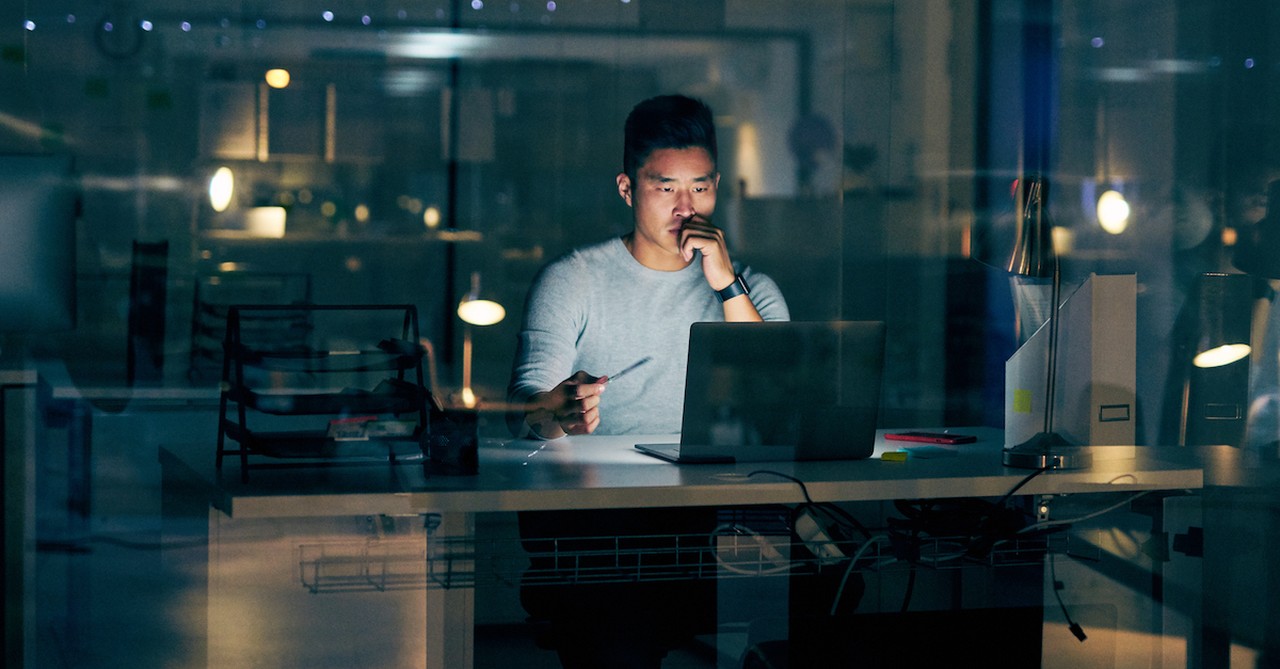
<point x="477" y="310"/>
<point x="1223" y="319"/>
<point x="1033" y="253"/>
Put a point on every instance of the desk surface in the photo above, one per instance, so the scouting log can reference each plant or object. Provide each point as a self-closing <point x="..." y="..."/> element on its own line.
<point x="607" y="472"/>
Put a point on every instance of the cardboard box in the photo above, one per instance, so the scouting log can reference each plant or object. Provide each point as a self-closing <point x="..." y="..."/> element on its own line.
<point x="1095" y="399"/>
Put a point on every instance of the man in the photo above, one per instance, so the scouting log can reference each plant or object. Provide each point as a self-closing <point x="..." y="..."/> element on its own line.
<point x="599" y="310"/>
<point x="603" y="307"/>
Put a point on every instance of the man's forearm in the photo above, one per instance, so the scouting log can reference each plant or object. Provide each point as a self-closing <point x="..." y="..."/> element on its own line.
<point x="741" y="308"/>
<point x="541" y="418"/>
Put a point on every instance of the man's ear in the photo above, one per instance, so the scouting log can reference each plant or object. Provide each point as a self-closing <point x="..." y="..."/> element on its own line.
<point x="624" y="187"/>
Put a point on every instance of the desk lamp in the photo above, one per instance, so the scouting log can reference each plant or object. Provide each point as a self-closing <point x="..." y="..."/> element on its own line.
<point x="1033" y="256"/>
<point x="476" y="310"/>
<point x="1215" y="382"/>
<point x="1223" y="330"/>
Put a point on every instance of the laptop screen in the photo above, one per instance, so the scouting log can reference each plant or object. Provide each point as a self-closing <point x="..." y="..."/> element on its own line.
<point x="813" y="385"/>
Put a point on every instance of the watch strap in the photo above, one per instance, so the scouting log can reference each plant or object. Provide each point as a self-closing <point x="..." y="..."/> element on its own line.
<point x="738" y="287"/>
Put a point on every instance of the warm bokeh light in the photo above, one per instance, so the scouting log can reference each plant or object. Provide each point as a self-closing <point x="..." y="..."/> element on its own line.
<point x="750" y="166"/>
<point x="277" y="78"/>
<point x="481" y="312"/>
<point x="1222" y="355"/>
<point x="1113" y="212"/>
<point x="431" y="217"/>
<point x="265" y="222"/>
<point x="468" y="397"/>
<point x="221" y="187"/>
<point x="362" y="213"/>
<point x="1064" y="240"/>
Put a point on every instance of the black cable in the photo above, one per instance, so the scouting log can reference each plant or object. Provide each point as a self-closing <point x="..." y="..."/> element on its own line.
<point x="1021" y="483"/>
<point x="989" y="529"/>
<point x="922" y="512"/>
<point x="830" y="509"/>
<point x="1072" y="625"/>
<point x="803" y="489"/>
<point x="911" y="586"/>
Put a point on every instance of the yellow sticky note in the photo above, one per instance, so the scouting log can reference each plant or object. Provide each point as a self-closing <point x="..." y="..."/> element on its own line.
<point x="1021" y="401"/>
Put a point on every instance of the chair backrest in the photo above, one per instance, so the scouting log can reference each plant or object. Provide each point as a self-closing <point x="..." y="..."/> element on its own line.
<point x="148" y="279"/>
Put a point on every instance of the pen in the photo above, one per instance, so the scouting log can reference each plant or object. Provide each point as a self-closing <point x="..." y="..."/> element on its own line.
<point x="630" y="367"/>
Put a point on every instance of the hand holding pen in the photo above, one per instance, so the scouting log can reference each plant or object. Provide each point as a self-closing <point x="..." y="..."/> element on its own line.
<point x="573" y="406"/>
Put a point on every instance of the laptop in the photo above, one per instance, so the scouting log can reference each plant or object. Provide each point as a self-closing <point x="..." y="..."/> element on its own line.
<point x="778" y="391"/>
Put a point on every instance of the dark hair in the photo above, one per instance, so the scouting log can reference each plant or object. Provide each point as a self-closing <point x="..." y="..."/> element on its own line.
<point x="666" y="122"/>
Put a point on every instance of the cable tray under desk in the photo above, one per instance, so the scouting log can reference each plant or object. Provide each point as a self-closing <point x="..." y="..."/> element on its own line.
<point x="465" y="562"/>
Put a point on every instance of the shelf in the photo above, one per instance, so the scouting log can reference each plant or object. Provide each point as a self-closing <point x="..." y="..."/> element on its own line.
<point x="465" y="562"/>
<point x="444" y="235"/>
<point x="317" y="444"/>
<point x="282" y="386"/>
<point x="391" y="396"/>
<point x="304" y="360"/>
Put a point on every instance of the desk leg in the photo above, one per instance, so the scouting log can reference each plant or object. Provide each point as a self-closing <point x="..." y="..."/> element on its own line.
<point x="17" y="471"/>
<point x="186" y="522"/>
<point x="450" y="632"/>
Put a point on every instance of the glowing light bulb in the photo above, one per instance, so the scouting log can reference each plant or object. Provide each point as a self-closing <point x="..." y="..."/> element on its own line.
<point x="277" y="77"/>
<point x="221" y="187"/>
<point x="1113" y="212"/>
<point x="431" y="217"/>
<point x="468" y="397"/>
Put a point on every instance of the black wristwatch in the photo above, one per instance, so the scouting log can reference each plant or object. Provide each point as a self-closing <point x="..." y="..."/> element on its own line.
<point x="738" y="287"/>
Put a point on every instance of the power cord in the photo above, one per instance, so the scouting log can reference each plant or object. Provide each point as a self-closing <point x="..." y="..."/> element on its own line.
<point x="844" y="579"/>
<point x="825" y="529"/>
<point x="985" y="525"/>
<point x="1078" y="519"/>
<point x="1058" y="586"/>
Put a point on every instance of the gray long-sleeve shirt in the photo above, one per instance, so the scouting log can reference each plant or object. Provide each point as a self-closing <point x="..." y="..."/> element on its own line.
<point x="597" y="309"/>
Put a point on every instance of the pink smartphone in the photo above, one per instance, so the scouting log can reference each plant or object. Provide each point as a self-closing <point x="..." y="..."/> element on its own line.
<point x="932" y="437"/>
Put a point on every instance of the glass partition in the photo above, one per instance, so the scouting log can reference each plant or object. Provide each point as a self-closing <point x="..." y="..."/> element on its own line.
<point x="869" y="149"/>
<point x="387" y="152"/>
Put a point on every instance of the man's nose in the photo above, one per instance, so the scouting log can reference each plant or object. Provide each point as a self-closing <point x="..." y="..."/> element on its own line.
<point x="684" y="205"/>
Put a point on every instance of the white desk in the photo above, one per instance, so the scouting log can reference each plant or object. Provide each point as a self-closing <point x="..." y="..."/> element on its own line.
<point x="607" y="472"/>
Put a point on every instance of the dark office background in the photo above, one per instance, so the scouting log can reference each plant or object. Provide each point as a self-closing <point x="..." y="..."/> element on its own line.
<point x="868" y="149"/>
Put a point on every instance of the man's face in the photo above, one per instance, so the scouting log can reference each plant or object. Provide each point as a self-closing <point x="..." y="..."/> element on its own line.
<point x="671" y="186"/>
